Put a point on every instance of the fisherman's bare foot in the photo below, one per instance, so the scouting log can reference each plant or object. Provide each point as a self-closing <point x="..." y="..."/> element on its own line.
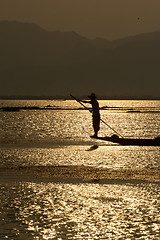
<point x="94" y="136"/>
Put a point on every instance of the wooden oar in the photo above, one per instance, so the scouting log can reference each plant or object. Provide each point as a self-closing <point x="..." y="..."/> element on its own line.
<point x="100" y="118"/>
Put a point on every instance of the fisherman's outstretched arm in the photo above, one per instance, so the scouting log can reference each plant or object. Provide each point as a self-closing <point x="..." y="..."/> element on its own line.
<point x="85" y="101"/>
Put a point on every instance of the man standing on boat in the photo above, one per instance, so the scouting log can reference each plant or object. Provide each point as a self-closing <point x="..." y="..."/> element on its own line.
<point x="95" y="113"/>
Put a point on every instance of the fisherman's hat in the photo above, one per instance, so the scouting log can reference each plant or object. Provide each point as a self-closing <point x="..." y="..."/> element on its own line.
<point x="92" y="96"/>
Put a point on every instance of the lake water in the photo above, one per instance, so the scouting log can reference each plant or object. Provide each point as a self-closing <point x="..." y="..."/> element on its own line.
<point x="58" y="183"/>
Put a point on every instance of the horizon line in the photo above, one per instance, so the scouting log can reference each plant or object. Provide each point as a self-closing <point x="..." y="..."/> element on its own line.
<point x="64" y="97"/>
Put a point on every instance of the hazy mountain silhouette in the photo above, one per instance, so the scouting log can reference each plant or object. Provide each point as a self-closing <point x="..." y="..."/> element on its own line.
<point x="34" y="61"/>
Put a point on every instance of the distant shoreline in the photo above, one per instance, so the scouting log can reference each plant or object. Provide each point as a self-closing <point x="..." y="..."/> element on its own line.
<point x="81" y="97"/>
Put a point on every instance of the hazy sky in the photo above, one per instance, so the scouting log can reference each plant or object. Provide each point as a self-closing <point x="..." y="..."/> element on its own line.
<point x="109" y="19"/>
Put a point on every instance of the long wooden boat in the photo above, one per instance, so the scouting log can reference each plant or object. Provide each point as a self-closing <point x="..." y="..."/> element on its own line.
<point x="131" y="141"/>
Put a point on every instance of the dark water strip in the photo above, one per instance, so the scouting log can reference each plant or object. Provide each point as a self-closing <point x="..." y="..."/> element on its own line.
<point x="129" y="109"/>
<point x="79" y="174"/>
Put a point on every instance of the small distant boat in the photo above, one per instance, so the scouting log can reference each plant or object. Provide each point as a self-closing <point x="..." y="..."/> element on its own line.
<point x="131" y="141"/>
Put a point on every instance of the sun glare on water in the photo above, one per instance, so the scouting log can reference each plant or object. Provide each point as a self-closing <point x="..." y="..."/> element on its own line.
<point x="87" y="211"/>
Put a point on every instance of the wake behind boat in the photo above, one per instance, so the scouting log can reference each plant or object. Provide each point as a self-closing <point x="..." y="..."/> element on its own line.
<point x="131" y="141"/>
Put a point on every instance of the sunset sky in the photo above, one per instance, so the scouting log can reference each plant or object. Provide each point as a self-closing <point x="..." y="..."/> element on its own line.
<point x="110" y="19"/>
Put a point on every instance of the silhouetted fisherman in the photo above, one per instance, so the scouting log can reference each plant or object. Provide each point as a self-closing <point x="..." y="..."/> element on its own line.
<point x="95" y="113"/>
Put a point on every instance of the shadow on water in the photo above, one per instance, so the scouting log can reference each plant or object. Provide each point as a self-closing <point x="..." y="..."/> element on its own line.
<point x="94" y="147"/>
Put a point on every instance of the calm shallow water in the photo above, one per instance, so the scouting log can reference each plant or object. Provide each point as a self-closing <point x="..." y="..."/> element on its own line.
<point x="36" y="208"/>
<point x="79" y="211"/>
<point x="54" y="137"/>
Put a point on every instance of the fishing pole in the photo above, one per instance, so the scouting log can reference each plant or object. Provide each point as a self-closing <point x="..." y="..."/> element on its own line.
<point x="100" y="118"/>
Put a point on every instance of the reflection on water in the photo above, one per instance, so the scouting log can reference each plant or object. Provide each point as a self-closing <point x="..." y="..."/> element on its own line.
<point x="48" y="126"/>
<point x="86" y="155"/>
<point x="34" y="142"/>
<point x="80" y="211"/>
